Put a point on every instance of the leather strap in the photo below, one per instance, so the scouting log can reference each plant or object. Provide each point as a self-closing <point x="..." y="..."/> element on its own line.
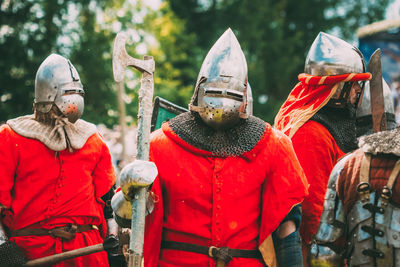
<point x="222" y="253"/>
<point x="66" y="232"/>
<point x="393" y="175"/>
<point x="364" y="188"/>
<point x="364" y="169"/>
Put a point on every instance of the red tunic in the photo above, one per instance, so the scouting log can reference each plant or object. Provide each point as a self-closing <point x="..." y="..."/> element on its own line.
<point x="317" y="152"/>
<point x="45" y="189"/>
<point x="212" y="201"/>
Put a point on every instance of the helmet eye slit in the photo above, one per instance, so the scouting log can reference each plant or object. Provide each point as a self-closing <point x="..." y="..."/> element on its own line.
<point x="235" y="96"/>
<point x="212" y="92"/>
<point x="74" y="91"/>
<point x="229" y="93"/>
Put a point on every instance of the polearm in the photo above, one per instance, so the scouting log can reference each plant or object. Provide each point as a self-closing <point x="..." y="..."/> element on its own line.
<point x="49" y="260"/>
<point x="121" y="59"/>
<point x="107" y="245"/>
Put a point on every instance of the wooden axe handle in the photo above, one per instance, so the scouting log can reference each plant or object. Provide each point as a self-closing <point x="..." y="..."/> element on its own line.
<point x="65" y="255"/>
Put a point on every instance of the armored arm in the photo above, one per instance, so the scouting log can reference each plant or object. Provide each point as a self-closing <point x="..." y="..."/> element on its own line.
<point x="10" y="254"/>
<point x="332" y="224"/>
<point x="112" y="227"/>
<point x="287" y="241"/>
<point x="115" y="256"/>
<point x="3" y="236"/>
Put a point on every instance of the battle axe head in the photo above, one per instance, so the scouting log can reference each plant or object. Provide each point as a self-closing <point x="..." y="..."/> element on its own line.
<point x="121" y="59"/>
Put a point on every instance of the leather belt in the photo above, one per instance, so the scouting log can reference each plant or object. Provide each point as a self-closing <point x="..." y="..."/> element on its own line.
<point x="66" y="232"/>
<point x="223" y="253"/>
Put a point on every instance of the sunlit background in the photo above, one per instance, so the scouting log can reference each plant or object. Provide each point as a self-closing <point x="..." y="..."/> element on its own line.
<point x="274" y="35"/>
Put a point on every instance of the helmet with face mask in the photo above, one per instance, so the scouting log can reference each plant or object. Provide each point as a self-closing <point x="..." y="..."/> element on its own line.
<point x="57" y="82"/>
<point x="330" y="55"/>
<point x="220" y="96"/>
<point x="363" y="113"/>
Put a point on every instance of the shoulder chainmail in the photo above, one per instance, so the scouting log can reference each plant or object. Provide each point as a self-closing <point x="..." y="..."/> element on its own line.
<point x="341" y="124"/>
<point x="231" y="142"/>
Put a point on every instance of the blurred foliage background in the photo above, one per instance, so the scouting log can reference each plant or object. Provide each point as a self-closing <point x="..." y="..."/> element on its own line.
<point x="275" y="36"/>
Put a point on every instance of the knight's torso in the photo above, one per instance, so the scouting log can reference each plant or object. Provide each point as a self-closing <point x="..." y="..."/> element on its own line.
<point x="204" y="194"/>
<point x="372" y="214"/>
<point x="361" y="216"/>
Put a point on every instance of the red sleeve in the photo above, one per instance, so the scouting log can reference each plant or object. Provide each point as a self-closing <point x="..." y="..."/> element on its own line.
<point x="154" y="224"/>
<point x="317" y="152"/>
<point x="103" y="175"/>
<point x="285" y="185"/>
<point x="8" y="163"/>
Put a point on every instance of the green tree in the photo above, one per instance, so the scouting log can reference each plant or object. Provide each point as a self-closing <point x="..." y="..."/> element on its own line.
<point x="275" y="35"/>
<point x="93" y="54"/>
<point x="32" y="30"/>
<point x="175" y="53"/>
<point x="28" y="33"/>
<point x="161" y="34"/>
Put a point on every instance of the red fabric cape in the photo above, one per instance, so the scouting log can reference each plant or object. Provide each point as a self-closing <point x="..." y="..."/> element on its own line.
<point x="309" y="96"/>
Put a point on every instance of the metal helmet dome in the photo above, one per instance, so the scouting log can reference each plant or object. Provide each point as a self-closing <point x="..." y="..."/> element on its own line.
<point x="330" y="55"/>
<point x="221" y="89"/>
<point x="58" y="82"/>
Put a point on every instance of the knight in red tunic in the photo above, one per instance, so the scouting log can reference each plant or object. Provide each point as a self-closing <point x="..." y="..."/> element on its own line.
<point x="55" y="170"/>
<point x="319" y="117"/>
<point x="229" y="185"/>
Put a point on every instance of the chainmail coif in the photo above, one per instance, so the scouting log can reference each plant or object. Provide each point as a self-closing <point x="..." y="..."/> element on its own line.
<point x="231" y="142"/>
<point x="341" y="124"/>
<point x="364" y="124"/>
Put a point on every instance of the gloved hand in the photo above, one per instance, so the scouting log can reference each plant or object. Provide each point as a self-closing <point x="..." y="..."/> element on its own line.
<point x="11" y="255"/>
<point x="137" y="174"/>
<point x="123" y="208"/>
<point x="112" y="246"/>
<point x="134" y="176"/>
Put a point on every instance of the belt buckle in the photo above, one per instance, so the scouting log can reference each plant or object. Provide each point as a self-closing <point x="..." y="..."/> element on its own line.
<point x="210" y="250"/>
<point x="222" y="255"/>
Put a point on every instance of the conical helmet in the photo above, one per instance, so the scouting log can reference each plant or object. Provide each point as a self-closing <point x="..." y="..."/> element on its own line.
<point x="57" y="82"/>
<point x="329" y="55"/>
<point x="220" y="96"/>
